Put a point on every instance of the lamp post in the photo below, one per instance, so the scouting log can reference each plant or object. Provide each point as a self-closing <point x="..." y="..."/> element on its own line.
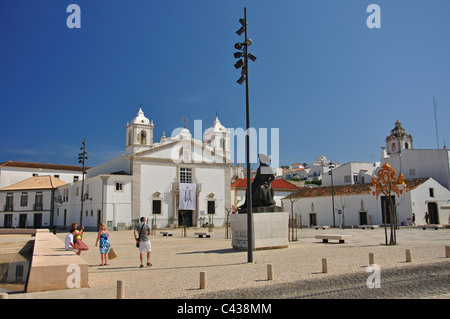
<point x="331" y="166"/>
<point x="81" y="159"/>
<point x="243" y="52"/>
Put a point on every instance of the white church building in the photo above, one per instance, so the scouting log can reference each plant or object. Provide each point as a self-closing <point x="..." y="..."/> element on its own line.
<point x="174" y="180"/>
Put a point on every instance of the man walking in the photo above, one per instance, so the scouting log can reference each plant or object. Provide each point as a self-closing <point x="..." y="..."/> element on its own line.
<point x="141" y="235"/>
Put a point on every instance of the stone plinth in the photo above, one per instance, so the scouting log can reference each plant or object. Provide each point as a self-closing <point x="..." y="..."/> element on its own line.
<point x="54" y="268"/>
<point x="270" y="230"/>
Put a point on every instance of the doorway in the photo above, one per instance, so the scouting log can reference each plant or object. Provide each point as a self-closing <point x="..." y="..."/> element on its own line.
<point x="99" y="218"/>
<point x="312" y="219"/>
<point x="433" y="214"/>
<point x="363" y="218"/>
<point x="186" y="217"/>
<point x="23" y="221"/>
<point x="7" y="222"/>
<point x="37" y="220"/>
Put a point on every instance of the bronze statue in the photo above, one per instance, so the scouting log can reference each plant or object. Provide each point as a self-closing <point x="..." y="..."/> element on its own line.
<point x="262" y="193"/>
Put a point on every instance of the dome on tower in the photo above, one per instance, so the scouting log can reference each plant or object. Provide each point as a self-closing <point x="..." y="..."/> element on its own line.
<point x="398" y="130"/>
<point x="214" y="130"/>
<point x="140" y="118"/>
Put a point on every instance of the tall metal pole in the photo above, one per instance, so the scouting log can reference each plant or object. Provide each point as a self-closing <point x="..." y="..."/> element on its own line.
<point x="250" y="243"/>
<point x="81" y="159"/>
<point x="435" y="121"/>
<point x="332" y="195"/>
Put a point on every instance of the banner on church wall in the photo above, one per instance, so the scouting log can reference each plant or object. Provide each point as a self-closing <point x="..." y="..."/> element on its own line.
<point x="188" y="196"/>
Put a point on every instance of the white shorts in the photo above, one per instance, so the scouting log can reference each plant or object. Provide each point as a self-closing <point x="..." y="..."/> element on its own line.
<point x="145" y="245"/>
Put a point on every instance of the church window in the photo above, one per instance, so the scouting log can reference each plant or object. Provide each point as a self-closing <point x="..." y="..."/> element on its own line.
<point x="156" y="206"/>
<point x="393" y="147"/>
<point x="406" y="145"/>
<point x="211" y="207"/>
<point x="143" y="138"/>
<point x="185" y="175"/>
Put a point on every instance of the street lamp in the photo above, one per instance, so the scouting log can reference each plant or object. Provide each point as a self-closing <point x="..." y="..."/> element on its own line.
<point x="81" y="159"/>
<point x="243" y="52"/>
<point x="331" y="166"/>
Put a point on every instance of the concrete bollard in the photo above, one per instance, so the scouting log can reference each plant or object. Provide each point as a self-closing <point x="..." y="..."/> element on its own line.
<point x="120" y="289"/>
<point x="371" y="259"/>
<point x="3" y="295"/>
<point x="408" y="255"/>
<point x="269" y="272"/>
<point x="447" y="251"/>
<point x="203" y="280"/>
<point x="324" y="265"/>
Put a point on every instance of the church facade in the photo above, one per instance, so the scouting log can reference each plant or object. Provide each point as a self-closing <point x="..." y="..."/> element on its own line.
<point x="179" y="179"/>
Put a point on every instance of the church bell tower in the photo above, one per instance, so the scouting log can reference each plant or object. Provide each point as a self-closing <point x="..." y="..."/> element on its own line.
<point x="139" y="134"/>
<point x="398" y="140"/>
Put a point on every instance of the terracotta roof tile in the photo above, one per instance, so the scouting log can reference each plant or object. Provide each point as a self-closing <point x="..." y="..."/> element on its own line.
<point x="41" y="165"/>
<point x="277" y="183"/>
<point x="35" y="182"/>
<point x="346" y="189"/>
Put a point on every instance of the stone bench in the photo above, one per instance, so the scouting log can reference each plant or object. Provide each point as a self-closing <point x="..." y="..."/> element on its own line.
<point x="368" y="226"/>
<point x="200" y="235"/>
<point x="165" y="233"/>
<point x="321" y="227"/>
<point x="327" y="237"/>
<point x="434" y="226"/>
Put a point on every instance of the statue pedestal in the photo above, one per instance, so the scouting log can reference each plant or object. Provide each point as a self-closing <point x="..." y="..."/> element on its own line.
<point x="270" y="230"/>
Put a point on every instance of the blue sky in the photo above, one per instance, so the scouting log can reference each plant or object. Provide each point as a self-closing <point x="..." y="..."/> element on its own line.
<point x="330" y="84"/>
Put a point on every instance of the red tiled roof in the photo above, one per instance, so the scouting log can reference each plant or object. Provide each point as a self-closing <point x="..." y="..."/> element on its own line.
<point x="346" y="189"/>
<point x="41" y="165"/>
<point x="277" y="183"/>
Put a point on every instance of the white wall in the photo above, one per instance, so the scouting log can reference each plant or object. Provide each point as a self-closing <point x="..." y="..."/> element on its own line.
<point x="12" y="175"/>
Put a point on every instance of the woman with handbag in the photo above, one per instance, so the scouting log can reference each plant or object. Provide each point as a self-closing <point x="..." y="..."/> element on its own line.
<point x="103" y="237"/>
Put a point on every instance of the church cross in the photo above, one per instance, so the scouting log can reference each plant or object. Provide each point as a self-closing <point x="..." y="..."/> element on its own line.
<point x="185" y="120"/>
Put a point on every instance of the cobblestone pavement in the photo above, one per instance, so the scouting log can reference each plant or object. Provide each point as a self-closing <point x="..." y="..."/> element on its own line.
<point x="424" y="281"/>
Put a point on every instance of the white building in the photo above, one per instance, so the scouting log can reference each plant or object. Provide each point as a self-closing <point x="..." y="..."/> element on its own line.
<point x="350" y="173"/>
<point x="415" y="163"/>
<point x="12" y="172"/>
<point x="313" y="172"/>
<point x="358" y="206"/>
<point x="147" y="180"/>
<point x="29" y="203"/>
<point x="107" y="198"/>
